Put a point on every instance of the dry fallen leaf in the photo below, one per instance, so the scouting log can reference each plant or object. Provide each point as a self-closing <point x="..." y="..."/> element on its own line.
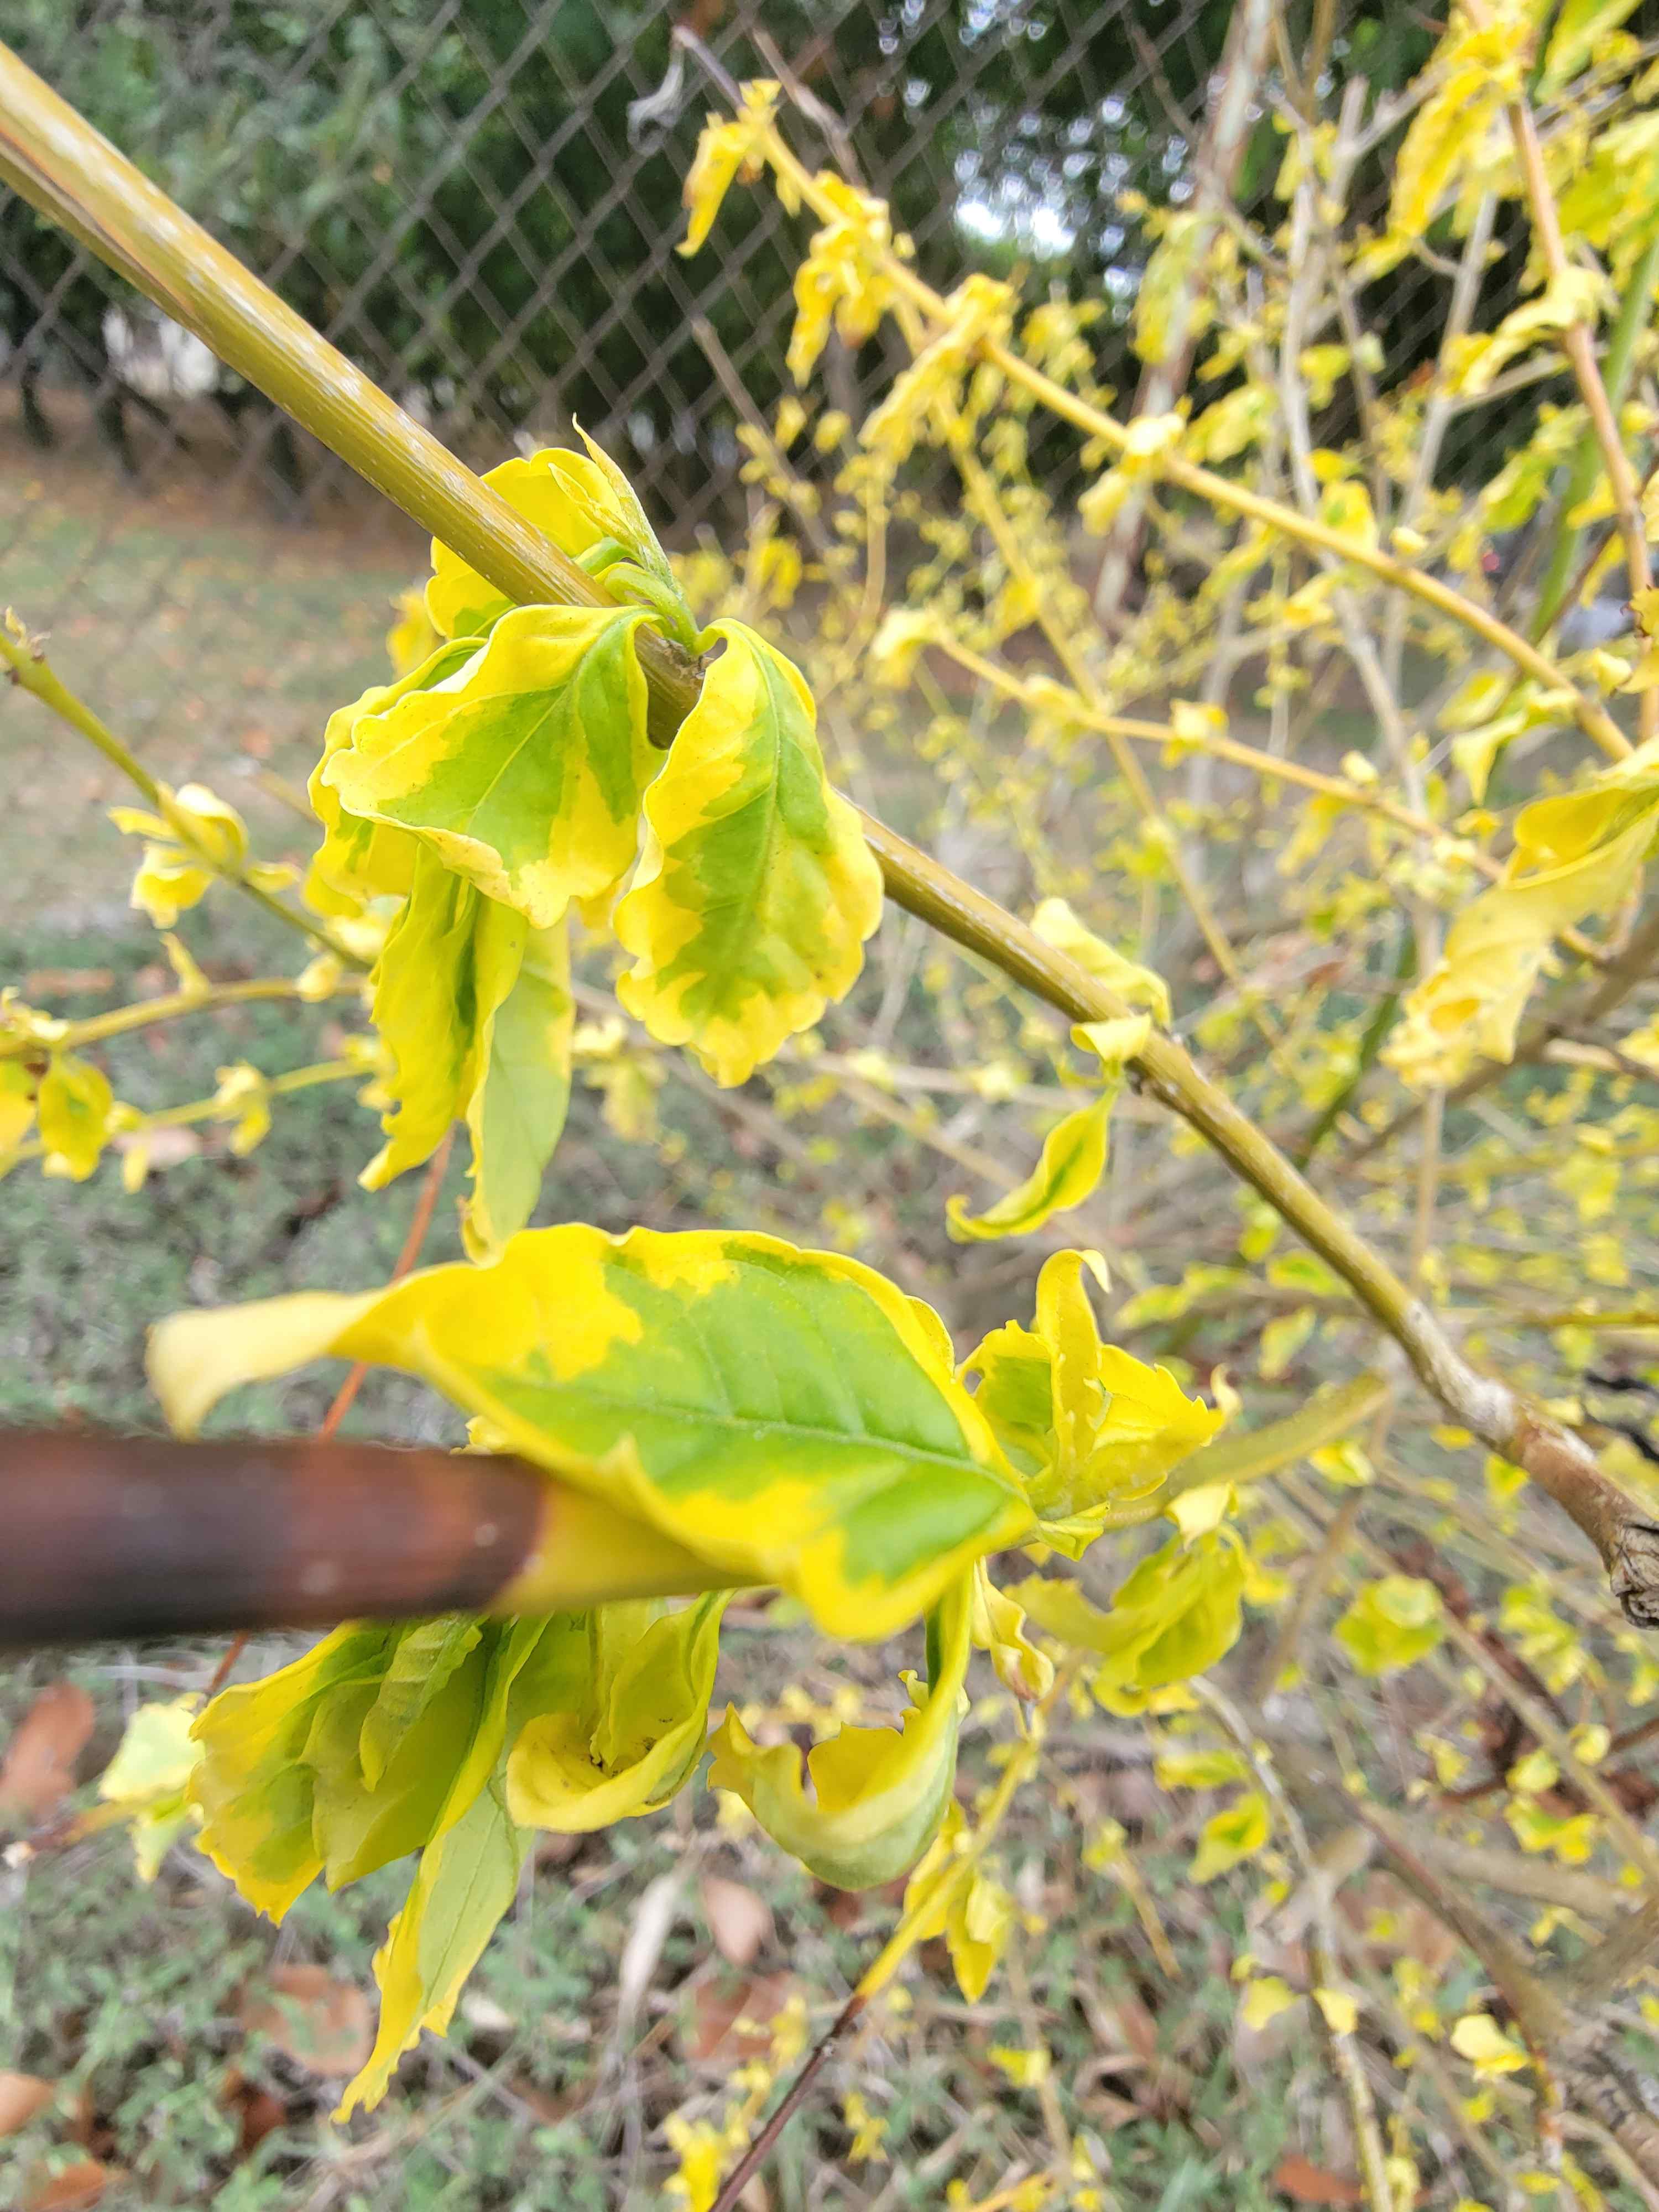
<point x="71" y="2189"/>
<point x="22" y="2096"/>
<point x="324" y="2025"/>
<point x="1304" y="2183"/>
<point x="712" y="2037"/>
<point x="38" y="1771"/>
<point x="739" y="1918"/>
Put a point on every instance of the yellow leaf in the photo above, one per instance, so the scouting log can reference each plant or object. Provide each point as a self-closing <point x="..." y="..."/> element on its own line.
<point x="73" y="1107"/>
<point x="728" y="147"/>
<point x="1228" y="1837"/>
<point x="1264" y="1999"/>
<point x="876" y="1794"/>
<point x="1478" y="2038"/>
<point x="1057" y="925"/>
<point x="1341" y="2010"/>
<point x="1575" y="856"/>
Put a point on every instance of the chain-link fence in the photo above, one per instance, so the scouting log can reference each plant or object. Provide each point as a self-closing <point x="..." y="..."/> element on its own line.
<point x="478" y="200"/>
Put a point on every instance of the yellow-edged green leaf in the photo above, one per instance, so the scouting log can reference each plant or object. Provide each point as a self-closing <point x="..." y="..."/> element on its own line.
<point x="452" y="957"/>
<point x="639" y="1725"/>
<point x="73" y="1106"/>
<point x="756" y="890"/>
<point x="458" y="599"/>
<point x="467" y="1878"/>
<point x="419" y="1664"/>
<point x="357" y="859"/>
<point x="476" y="1009"/>
<point x="876" y="1794"/>
<point x="787" y="1416"/>
<point x="1074" y="1152"/>
<point x="523" y="766"/>
<point x="1073" y="1160"/>
<point x="289" y="1791"/>
<point x="517" y="1106"/>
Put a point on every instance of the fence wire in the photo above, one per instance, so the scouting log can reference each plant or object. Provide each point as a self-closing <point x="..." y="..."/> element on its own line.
<point x="479" y="201"/>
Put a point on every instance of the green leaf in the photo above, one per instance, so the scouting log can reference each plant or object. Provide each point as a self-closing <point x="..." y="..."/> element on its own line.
<point x="73" y="1105"/>
<point x="1394" y="1622"/>
<point x="1237" y="1832"/>
<point x="756" y="890"/>
<point x="876" y="1794"/>
<point x="467" y="1878"/>
<point x="524" y="767"/>
<point x="254" y="1790"/>
<point x="419" y="1664"/>
<point x="638" y="1727"/>
<point x="1095" y="1431"/>
<point x="788" y="1417"/>
<point x="285" y="1786"/>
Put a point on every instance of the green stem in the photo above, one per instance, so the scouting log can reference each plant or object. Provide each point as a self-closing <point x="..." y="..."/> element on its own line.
<point x="62" y="166"/>
<point x="97" y="1028"/>
<point x="32" y="672"/>
<point x="1617" y="365"/>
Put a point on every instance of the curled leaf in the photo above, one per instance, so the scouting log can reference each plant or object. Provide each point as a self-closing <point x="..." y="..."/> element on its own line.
<point x="637" y="1727"/>
<point x="1094" y="1430"/>
<point x="877" y="1795"/>
<point x="1072" y="1162"/>
<point x="1173" y="1617"/>
<point x="1057" y="925"/>
<point x="756" y="890"/>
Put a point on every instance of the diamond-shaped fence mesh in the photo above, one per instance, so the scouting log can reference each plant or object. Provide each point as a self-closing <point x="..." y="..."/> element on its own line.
<point x="479" y="201"/>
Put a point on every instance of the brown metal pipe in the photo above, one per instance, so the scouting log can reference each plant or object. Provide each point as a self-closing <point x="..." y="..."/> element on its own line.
<point x="105" y="1536"/>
